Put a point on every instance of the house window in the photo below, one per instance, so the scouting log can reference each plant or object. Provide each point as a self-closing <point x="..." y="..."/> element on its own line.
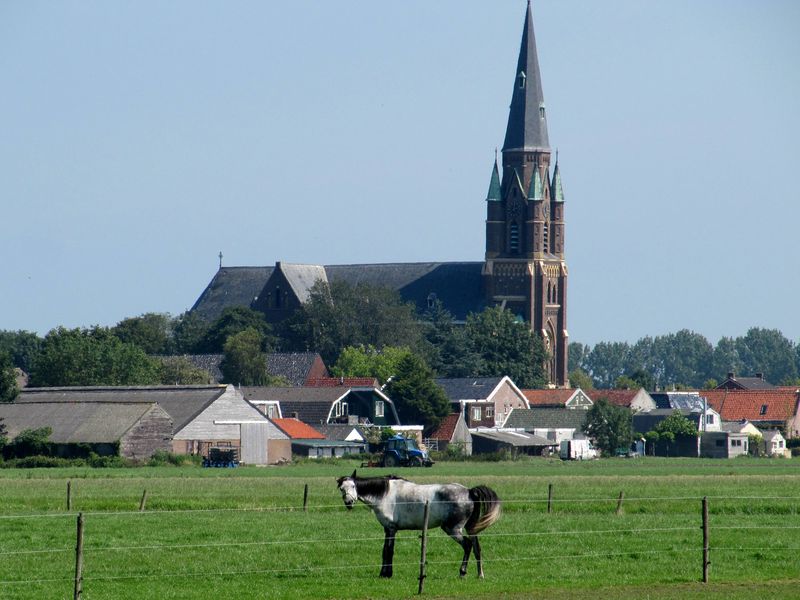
<point x="476" y="413"/>
<point x="345" y="410"/>
<point x="709" y="419"/>
<point x="780" y="443"/>
<point x="736" y="443"/>
<point x="720" y="443"/>
<point x="270" y="410"/>
<point x="431" y="299"/>
<point x="489" y="411"/>
<point x="763" y="410"/>
<point x="379" y="408"/>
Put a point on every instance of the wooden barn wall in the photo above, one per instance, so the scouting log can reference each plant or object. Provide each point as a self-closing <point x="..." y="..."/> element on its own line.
<point x="151" y="433"/>
<point x="230" y="406"/>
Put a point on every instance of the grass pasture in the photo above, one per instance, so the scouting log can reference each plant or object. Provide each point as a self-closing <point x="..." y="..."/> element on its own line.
<point x="242" y="532"/>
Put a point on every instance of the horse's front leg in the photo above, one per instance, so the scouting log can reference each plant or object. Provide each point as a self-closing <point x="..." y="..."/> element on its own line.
<point x="388" y="552"/>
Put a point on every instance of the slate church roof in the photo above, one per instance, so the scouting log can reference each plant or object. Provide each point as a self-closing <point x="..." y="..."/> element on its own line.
<point x="457" y="285"/>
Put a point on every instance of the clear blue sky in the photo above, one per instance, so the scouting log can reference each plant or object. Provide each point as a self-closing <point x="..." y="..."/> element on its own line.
<point x="138" y="139"/>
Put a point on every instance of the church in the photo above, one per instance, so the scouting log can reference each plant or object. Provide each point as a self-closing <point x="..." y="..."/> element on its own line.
<point x="524" y="268"/>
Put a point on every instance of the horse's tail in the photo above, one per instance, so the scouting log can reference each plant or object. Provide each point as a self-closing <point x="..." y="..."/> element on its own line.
<point x="487" y="509"/>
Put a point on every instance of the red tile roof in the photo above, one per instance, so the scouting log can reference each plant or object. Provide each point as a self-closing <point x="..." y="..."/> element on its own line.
<point x="617" y="397"/>
<point x="342" y="382"/>
<point x="446" y="428"/>
<point x="753" y="405"/>
<point x="556" y="397"/>
<point x="297" y="430"/>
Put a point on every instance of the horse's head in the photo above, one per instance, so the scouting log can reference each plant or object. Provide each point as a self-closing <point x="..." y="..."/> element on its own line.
<point x="347" y="485"/>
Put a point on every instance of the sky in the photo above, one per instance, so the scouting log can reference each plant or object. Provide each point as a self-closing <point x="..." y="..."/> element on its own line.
<point x="138" y="140"/>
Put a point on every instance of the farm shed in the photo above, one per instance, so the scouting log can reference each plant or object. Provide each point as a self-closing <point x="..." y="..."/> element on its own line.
<point x="202" y="415"/>
<point x="452" y="431"/>
<point x="310" y="443"/>
<point x="555" y="424"/>
<point x="558" y="398"/>
<point x="682" y="445"/>
<point x="486" y="441"/>
<point x="134" y="430"/>
<point x="775" y="443"/>
<point x="723" y="444"/>
<point x="323" y="405"/>
<point x="484" y="401"/>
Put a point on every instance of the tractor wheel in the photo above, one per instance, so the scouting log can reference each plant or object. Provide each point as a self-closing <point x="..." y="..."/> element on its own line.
<point x="389" y="461"/>
<point x="416" y="461"/>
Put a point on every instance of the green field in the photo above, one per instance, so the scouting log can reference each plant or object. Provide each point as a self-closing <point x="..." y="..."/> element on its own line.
<point x="224" y="533"/>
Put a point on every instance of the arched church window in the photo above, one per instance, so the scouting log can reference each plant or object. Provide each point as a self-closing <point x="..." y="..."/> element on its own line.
<point x="277" y="303"/>
<point x="546" y="237"/>
<point x="513" y="238"/>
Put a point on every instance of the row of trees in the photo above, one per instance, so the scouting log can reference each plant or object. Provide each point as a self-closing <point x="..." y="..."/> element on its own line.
<point x="685" y="359"/>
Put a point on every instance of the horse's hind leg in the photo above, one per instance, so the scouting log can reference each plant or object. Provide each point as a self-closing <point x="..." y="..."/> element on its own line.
<point x="388" y="552"/>
<point x="465" y="542"/>
<point x="476" y="547"/>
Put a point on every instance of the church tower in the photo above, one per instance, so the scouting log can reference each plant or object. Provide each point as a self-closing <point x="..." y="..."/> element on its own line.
<point x="524" y="269"/>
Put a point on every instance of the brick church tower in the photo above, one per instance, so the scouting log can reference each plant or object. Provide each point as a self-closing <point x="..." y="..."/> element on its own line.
<point x="524" y="269"/>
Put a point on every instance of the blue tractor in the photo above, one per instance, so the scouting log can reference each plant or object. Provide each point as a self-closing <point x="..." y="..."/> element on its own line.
<point x="404" y="452"/>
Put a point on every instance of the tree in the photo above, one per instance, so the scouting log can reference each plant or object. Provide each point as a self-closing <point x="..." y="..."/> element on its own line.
<point x="506" y="346"/>
<point x="623" y="382"/>
<point x="23" y="346"/>
<point x="71" y="357"/>
<point x="674" y="427"/>
<point x="416" y="396"/>
<point x="448" y="351"/>
<point x="179" y="370"/>
<point x="369" y="362"/>
<point x="3" y="436"/>
<point x="152" y="332"/>
<point x="8" y="378"/>
<point x="606" y="362"/>
<point x="726" y="359"/>
<point x="579" y="379"/>
<point x="338" y="315"/>
<point x="684" y="358"/>
<point x="643" y="379"/>
<point x="188" y="332"/>
<point x="609" y="426"/>
<point x="234" y="320"/>
<point x="767" y="351"/>
<point x="243" y="362"/>
<point x="578" y="353"/>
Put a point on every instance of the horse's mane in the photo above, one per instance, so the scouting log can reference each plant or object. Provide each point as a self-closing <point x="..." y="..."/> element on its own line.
<point x="374" y="486"/>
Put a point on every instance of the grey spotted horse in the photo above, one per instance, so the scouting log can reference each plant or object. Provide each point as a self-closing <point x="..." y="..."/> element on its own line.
<point x="398" y="504"/>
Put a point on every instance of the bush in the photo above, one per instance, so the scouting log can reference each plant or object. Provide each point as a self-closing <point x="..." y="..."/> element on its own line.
<point x="39" y="462"/>
<point x="162" y="458"/>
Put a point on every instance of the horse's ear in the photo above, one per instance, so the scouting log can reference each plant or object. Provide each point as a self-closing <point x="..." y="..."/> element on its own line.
<point x="354" y="474"/>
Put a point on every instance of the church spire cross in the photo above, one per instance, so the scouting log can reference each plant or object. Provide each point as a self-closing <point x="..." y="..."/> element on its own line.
<point x="220" y="259"/>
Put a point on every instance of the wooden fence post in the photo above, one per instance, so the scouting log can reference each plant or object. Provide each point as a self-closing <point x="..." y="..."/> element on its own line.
<point x="619" y="502"/>
<point x="424" y="548"/>
<point x="69" y="495"/>
<point x="305" y="498"/>
<point x="706" y="562"/>
<point x="549" y="498"/>
<point x="143" y="501"/>
<point x="79" y="560"/>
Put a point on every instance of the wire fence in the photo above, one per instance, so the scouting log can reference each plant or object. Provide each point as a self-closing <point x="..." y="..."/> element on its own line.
<point x="691" y="539"/>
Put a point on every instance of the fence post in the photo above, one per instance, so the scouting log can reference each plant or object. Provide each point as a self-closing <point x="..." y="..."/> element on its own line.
<point x="424" y="548"/>
<point x="706" y="562"/>
<point x="79" y="560"/>
<point x="305" y="498"/>
<point x="69" y="495"/>
<point x="549" y="498"/>
<point x="143" y="501"/>
<point x="619" y="502"/>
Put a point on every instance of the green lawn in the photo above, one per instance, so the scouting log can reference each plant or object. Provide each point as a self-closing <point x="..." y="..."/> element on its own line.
<point x="242" y="532"/>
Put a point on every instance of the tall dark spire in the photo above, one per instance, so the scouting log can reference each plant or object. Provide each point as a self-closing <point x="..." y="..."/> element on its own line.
<point x="527" y="123"/>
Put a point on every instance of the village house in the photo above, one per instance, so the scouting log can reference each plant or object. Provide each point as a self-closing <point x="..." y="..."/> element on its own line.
<point x="307" y="442"/>
<point x="552" y="423"/>
<point x="452" y="431"/>
<point x="766" y="408"/>
<point x="484" y="401"/>
<point x="638" y="400"/>
<point x="558" y="397"/>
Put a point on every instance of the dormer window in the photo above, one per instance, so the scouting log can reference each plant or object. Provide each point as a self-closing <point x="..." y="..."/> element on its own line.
<point x="521" y="80"/>
<point x="541" y="111"/>
<point x="431" y="299"/>
<point x="763" y="410"/>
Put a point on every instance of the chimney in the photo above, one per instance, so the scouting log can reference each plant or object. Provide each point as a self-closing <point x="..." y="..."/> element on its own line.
<point x="760" y="376"/>
<point x="731" y="375"/>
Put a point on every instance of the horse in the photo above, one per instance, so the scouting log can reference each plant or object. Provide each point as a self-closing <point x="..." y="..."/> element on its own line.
<point x="400" y="504"/>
